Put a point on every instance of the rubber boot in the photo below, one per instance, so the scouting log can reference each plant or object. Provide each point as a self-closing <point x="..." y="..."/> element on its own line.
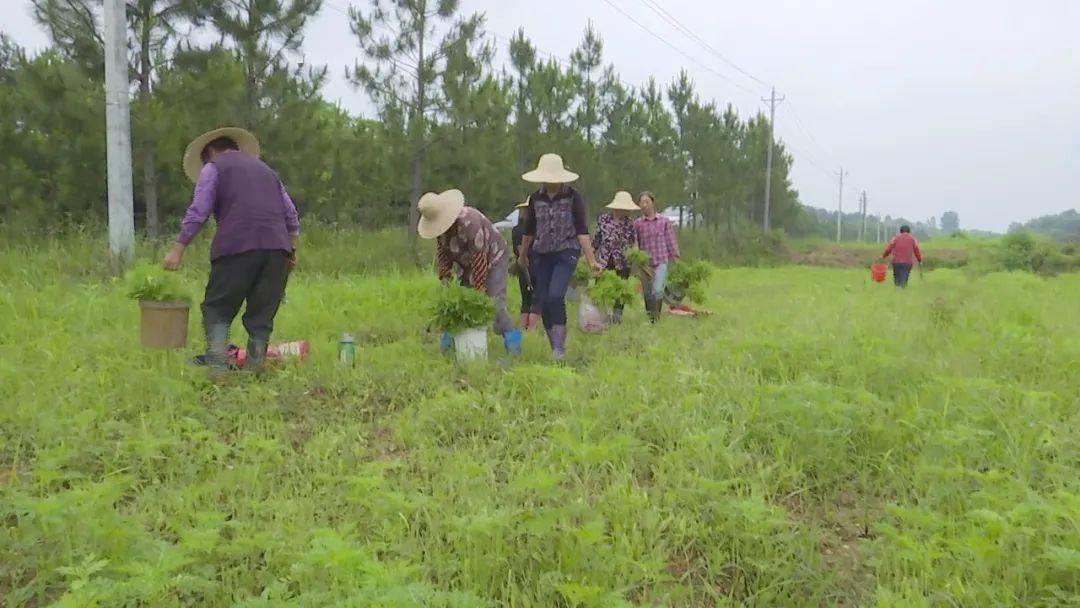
<point x="256" y="355"/>
<point x="512" y="341"/>
<point x="557" y="336"/>
<point x="653" y="306"/>
<point x="217" y="345"/>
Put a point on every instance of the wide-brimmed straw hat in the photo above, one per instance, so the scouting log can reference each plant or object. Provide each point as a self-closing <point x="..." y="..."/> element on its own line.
<point x="438" y="212"/>
<point x="623" y="202"/>
<point x="193" y="163"/>
<point x="550" y="170"/>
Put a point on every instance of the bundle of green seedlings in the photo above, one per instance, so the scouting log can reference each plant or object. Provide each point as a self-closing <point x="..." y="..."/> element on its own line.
<point x="152" y="283"/>
<point x="687" y="280"/>
<point x="458" y="308"/>
<point x="610" y="290"/>
<point x="583" y="274"/>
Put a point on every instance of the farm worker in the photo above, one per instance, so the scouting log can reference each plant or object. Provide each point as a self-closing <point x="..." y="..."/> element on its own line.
<point x="556" y="235"/>
<point x="614" y="236"/>
<point x="467" y="240"/>
<point x="904" y="250"/>
<point x="529" y="319"/>
<point x="656" y="236"/>
<point x="258" y="231"/>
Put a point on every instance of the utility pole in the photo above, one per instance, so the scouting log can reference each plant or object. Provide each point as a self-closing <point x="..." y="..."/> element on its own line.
<point x="840" y="208"/>
<point x="862" y="208"/>
<point x="772" y="101"/>
<point x="118" y="132"/>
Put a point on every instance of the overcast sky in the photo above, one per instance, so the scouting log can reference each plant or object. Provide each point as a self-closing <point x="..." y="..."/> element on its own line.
<point x="931" y="105"/>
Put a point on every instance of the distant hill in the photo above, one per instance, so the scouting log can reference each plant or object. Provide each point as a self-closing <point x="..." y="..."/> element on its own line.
<point x="1064" y="226"/>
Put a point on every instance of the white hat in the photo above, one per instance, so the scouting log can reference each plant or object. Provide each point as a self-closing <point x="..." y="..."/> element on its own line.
<point x="550" y="170"/>
<point x="193" y="163"/>
<point x="438" y="212"/>
<point x="623" y="202"/>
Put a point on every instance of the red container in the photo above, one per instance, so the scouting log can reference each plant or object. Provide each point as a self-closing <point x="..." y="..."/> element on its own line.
<point x="878" y="272"/>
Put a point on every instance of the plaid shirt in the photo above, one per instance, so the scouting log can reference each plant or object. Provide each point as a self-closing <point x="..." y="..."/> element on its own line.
<point x="473" y="245"/>
<point x="656" y="236"/>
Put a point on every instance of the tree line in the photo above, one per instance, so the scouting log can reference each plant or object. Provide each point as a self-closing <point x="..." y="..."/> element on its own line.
<point x="447" y="115"/>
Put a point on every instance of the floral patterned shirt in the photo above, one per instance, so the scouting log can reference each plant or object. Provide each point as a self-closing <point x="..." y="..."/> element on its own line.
<point x="614" y="237"/>
<point x="473" y="245"/>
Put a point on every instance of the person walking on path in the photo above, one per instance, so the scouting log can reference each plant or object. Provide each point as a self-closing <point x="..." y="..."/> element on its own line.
<point x="615" y="235"/>
<point x="529" y="319"/>
<point x="466" y="241"/>
<point x="656" y="236"/>
<point x="556" y="235"/>
<point x="904" y="249"/>
<point x="258" y="232"/>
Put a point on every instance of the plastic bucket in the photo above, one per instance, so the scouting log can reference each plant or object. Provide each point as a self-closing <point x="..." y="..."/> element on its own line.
<point x="471" y="344"/>
<point x="878" y="272"/>
<point x="163" y="324"/>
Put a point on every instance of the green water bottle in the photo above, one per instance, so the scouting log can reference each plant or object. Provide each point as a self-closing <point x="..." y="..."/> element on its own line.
<point x="347" y="350"/>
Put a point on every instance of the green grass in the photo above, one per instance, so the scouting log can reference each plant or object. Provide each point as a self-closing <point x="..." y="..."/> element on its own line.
<point x="817" y="441"/>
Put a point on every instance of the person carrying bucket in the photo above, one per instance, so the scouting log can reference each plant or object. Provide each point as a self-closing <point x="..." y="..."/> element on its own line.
<point x="467" y="240"/>
<point x="529" y="319"/>
<point x="614" y="237"/>
<point x="254" y="250"/>
<point x="904" y="249"/>
<point x="556" y="235"/>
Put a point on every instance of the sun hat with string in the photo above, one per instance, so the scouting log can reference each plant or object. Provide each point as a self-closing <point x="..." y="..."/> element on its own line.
<point x="193" y="163"/>
<point x="438" y="212"/>
<point x="550" y="170"/>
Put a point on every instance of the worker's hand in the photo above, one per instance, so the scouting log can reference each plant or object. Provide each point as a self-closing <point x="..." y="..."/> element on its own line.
<point x="596" y="266"/>
<point x="292" y="260"/>
<point x="174" y="257"/>
<point x="445" y="281"/>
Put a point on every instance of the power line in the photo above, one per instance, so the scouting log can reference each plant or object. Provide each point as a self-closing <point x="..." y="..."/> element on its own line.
<point x="678" y="50"/>
<point x="671" y="19"/>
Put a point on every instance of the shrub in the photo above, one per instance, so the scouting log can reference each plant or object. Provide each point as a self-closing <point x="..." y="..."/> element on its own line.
<point x="458" y="308"/>
<point x="152" y="283"/>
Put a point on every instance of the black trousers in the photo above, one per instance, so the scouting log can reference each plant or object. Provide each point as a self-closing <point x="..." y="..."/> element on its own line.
<point x="901" y="273"/>
<point x="258" y="277"/>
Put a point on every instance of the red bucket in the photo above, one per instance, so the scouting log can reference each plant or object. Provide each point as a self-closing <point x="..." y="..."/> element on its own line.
<point x="878" y="272"/>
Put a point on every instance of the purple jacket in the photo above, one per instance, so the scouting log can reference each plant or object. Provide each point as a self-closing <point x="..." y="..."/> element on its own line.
<point x="247" y="199"/>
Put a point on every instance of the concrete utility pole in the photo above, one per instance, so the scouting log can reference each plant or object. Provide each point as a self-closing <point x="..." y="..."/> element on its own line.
<point x="772" y="101"/>
<point x="862" y="208"/>
<point x="840" y="208"/>
<point x="118" y="132"/>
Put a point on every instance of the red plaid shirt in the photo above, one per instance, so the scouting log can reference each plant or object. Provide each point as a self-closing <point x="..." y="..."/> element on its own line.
<point x="656" y="236"/>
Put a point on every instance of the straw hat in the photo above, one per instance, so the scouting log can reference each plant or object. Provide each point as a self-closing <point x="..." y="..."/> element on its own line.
<point x="623" y="202"/>
<point x="193" y="154"/>
<point x="438" y="212"/>
<point x="550" y="170"/>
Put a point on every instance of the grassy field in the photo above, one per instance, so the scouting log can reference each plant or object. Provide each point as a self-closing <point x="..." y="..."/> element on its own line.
<point x="817" y="441"/>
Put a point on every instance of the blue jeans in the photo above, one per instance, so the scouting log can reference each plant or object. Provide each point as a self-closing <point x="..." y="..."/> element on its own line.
<point x="900" y="274"/>
<point x="659" y="281"/>
<point x="551" y="274"/>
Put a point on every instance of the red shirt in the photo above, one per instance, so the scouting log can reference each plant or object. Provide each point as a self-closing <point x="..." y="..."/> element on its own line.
<point x="904" y="249"/>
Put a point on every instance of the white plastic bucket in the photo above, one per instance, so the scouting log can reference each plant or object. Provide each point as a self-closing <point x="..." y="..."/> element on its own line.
<point x="591" y="318"/>
<point x="471" y="344"/>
